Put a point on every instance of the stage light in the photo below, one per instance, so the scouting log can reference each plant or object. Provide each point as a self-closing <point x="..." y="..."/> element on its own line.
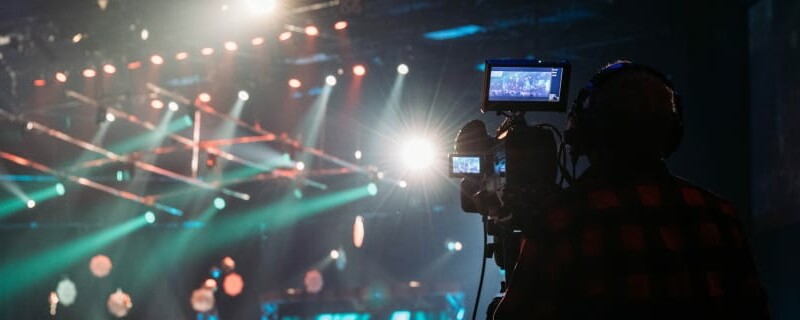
<point x="134" y="65"/>
<point x="233" y="284"/>
<point x="243" y="95"/>
<point x="39" y="82"/>
<point x="66" y="291"/>
<point x="156" y="59"/>
<point x="380" y="175"/>
<point x="61" y="77"/>
<point x="294" y="83"/>
<point x="119" y="303"/>
<point x="145" y="34"/>
<point x="259" y="7"/>
<point x="340" y="25"/>
<point x="257" y="41"/>
<point x="77" y="38"/>
<point x="211" y="160"/>
<point x="219" y="203"/>
<point x="100" y="266"/>
<point x="181" y="55"/>
<point x="453" y="246"/>
<point x="414" y="284"/>
<point x="204" y="97"/>
<point x="150" y="217"/>
<point x="286" y="35"/>
<point x="210" y="283"/>
<point x="110" y="117"/>
<point x="334" y="254"/>
<point x="330" y="80"/>
<point x="172" y="105"/>
<point x="297" y="193"/>
<point x="202" y="300"/>
<point x="402" y="184"/>
<point x="358" y="232"/>
<point x="312" y="31"/>
<point x="228" y="263"/>
<point x="359" y="70"/>
<point x="418" y="154"/>
<point x="89" y="73"/>
<point x="157" y="104"/>
<point x="109" y="68"/>
<point x="29" y="126"/>
<point x="231" y="46"/>
<point x="31" y="204"/>
<point x="357" y="155"/>
<point x="300" y="166"/>
<point x="402" y="68"/>
<point x="312" y="281"/>
<point x="60" y="189"/>
<point x="372" y="188"/>
<point x="207" y="51"/>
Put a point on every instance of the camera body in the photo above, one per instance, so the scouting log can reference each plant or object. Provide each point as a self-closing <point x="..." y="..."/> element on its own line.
<point x="505" y="177"/>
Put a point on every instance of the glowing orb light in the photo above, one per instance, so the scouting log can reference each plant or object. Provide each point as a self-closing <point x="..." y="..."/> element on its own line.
<point x="202" y="300"/>
<point x="313" y="281"/>
<point x="358" y="232"/>
<point x="66" y="291"/>
<point x="418" y="154"/>
<point x="228" y="263"/>
<point x="100" y="266"/>
<point x="233" y="284"/>
<point x="119" y="303"/>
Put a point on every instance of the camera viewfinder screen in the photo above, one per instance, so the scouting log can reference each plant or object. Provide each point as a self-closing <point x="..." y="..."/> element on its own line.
<point x="525" y="84"/>
<point x="466" y="165"/>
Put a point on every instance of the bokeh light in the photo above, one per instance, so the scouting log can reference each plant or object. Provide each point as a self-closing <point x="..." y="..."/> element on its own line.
<point x="313" y="281"/>
<point x="100" y="266"/>
<point x="67" y="292"/>
<point x="233" y="284"/>
<point x="119" y="303"/>
<point x="202" y="299"/>
<point x="359" y="70"/>
<point x="358" y="232"/>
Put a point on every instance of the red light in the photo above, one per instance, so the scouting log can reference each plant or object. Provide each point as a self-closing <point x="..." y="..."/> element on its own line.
<point x="204" y="97"/>
<point x="134" y="65"/>
<point x="156" y="59"/>
<point x="89" y="73"/>
<point x="109" y="68"/>
<point x="286" y="35"/>
<point x="341" y="25"/>
<point x="359" y="70"/>
<point x="257" y="41"/>
<point x="294" y="83"/>
<point x="61" y="77"/>
<point x="181" y="55"/>
<point x="312" y="31"/>
<point x="39" y="82"/>
<point x="231" y="46"/>
<point x="207" y="51"/>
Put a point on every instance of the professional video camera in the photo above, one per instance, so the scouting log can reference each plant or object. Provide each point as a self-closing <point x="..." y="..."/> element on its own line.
<point x="503" y="178"/>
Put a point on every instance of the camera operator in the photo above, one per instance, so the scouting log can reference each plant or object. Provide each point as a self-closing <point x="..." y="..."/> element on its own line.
<point x="628" y="239"/>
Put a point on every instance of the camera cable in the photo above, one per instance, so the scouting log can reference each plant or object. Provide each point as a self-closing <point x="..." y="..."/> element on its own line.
<point x="485" y="221"/>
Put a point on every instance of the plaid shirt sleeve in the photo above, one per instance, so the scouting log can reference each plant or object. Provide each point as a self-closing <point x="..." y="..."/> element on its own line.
<point x="650" y="249"/>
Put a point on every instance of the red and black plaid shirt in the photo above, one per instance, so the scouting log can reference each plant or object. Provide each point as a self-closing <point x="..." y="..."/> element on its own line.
<point x="643" y="244"/>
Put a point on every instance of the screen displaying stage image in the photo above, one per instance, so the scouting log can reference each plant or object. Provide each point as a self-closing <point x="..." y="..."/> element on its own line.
<point x="534" y="84"/>
<point x="466" y="165"/>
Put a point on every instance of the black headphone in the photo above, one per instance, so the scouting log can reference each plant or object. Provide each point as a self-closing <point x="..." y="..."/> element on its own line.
<point x="585" y="129"/>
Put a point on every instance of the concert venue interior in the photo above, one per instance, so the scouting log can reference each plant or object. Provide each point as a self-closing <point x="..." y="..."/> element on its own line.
<point x="286" y="159"/>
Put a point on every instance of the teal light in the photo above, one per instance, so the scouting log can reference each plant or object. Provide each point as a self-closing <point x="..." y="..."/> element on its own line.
<point x="298" y="194"/>
<point x="150" y="217"/>
<point x="60" y="189"/>
<point x="372" y="188"/>
<point x="219" y="203"/>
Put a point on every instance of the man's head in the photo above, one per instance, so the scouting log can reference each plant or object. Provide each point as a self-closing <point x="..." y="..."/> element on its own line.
<point x="626" y="111"/>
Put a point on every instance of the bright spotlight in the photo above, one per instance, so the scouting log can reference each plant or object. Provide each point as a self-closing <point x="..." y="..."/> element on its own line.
<point x="402" y="184"/>
<point x="156" y="59"/>
<point x="150" y="217"/>
<point x="372" y="188"/>
<point x="173" y="106"/>
<point x="204" y="97"/>
<point x="257" y="41"/>
<point x="109" y="68"/>
<point x="89" y="73"/>
<point x="181" y="55"/>
<point x="286" y="35"/>
<point x="300" y="166"/>
<point x="359" y="70"/>
<point x="61" y="77"/>
<point x="243" y="95"/>
<point x="259" y="7"/>
<point x="357" y="155"/>
<point x="157" y="104"/>
<point x="402" y="68"/>
<point x="60" y="189"/>
<point x="340" y="25"/>
<point x="330" y="80"/>
<point x="418" y="154"/>
<point x="77" y="38"/>
<point x="312" y="31"/>
<point x="219" y="203"/>
<point x="294" y="83"/>
<point x="207" y="51"/>
<point x="231" y="46"/>
<point x="31" y="204"/>
<point x="453" y="246"/>
<point x="110" y="117"/>
<point x="334" y="254"/>
<point x="145" y="34"/>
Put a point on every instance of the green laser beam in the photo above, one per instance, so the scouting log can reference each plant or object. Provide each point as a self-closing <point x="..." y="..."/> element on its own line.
<point x="13" y="205"/>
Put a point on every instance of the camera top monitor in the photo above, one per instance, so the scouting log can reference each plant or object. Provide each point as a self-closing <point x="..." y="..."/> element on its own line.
<point x="525" y="85"/>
